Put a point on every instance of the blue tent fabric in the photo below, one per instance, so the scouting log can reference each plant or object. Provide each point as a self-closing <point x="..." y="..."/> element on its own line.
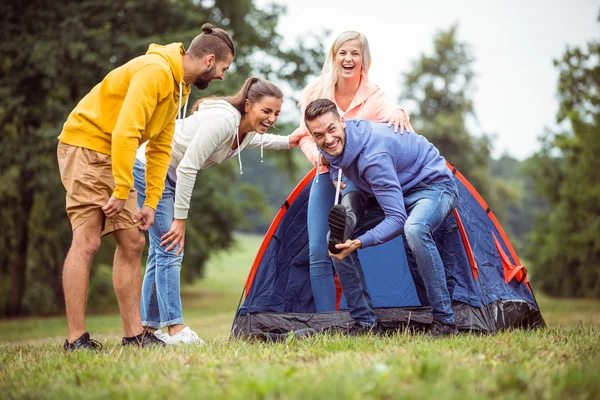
<point x="479" y="229"/>
<point x="282" y="280"/>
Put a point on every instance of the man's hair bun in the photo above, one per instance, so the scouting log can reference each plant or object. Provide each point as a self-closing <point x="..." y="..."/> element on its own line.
<point x="207" y="28"/>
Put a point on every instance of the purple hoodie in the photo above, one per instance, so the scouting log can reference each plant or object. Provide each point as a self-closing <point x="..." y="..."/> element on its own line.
<point x="387" y="165"/>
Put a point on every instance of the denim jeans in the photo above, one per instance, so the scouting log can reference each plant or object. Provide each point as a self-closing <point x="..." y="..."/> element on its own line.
<point x="320" y="201"/>
<point x="161" y="301"/>
<point x="427" y="206"/>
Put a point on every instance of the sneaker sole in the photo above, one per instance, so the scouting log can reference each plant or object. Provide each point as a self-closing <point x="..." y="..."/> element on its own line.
<point x="337" y="226"/>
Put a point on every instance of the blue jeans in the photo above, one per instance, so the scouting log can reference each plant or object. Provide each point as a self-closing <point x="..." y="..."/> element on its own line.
<point x="320" y="201"/>
<point x="161" y="301"/>
<point x="427" y="206"/>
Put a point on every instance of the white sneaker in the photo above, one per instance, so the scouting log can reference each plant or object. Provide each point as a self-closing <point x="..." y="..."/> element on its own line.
<point x="186" y="336"/>
<point x="162" y="336"/>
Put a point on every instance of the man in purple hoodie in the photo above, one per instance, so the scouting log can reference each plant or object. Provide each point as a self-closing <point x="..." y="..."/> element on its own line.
<point x="409" y="179"/>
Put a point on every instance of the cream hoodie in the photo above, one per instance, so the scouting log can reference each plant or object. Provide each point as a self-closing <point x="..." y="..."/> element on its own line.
<point x="204" y="139"/>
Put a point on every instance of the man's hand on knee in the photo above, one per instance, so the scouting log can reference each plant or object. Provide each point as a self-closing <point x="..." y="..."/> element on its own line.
<point x="113" y="207"/>
<point x="146" y="216"/>
<point x="347" y="248"/>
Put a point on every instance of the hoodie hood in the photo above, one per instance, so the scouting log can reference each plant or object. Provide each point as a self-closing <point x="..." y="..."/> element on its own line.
<point x="365" y="90"/>
<point x="222" y="105"/>
<point x="173" y="54"/>
<point x="357" y="135"/>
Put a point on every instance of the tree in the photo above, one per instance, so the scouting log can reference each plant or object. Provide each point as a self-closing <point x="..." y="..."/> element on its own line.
<point x="51" y="54"/>
<point x="565" y="245"/>
<point x="518" y="216"/>
<point x="441" y="84"/>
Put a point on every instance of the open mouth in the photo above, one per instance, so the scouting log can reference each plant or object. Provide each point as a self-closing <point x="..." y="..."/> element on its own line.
<point x="264" y="126"/>
<point x="348" y="67"/>
<point x="332" y="146"/>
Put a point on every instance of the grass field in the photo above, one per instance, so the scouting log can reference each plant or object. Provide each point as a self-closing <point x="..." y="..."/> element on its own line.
<point x="562" y="361"/>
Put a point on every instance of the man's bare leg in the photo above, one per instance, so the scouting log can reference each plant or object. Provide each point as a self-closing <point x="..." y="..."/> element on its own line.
<point x="76" y="273"/>
<point x="127" y="278"/>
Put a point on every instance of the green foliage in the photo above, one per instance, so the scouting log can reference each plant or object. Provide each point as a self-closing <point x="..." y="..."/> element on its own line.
<point x="565" y="246"/>
<point x="441" y="84"/>
<point x="101" y="295"/>
<point x="512" y="182"/>
<point x="51" y="55"/>
<point x="267" y="184"/>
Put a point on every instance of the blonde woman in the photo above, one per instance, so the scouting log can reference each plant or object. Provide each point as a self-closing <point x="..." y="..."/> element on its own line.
<point x="343" y="80"/>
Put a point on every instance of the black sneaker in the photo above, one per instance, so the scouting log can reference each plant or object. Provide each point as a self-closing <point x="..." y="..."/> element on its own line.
<point x="83" y="343"/>
<point x="439" y="329"/>
<point x="144" y="339"/>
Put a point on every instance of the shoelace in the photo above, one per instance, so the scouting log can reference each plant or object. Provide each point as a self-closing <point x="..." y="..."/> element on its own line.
<point x="93" y="343"/>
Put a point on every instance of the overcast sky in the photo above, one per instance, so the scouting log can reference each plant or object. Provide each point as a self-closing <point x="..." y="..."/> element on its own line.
<point x="514" y="43"/>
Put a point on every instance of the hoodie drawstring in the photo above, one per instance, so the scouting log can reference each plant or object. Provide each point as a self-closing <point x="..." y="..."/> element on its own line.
<point x="338" y="186"/>
<point x="179" y="113"/>
<point x="261" y="148"/>
<point x="237" y="134"/>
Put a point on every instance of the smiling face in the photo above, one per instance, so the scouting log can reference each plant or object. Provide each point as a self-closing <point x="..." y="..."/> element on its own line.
<point x="329" y="133"/>
<point x="262" y="114"/>
<point x="349" y="60"/>
<point x="208" y="69"/>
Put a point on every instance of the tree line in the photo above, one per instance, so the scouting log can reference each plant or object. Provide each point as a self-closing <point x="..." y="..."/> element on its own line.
<point x="52" y="54"/>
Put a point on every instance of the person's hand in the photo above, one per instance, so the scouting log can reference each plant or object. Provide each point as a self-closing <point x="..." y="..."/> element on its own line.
<point x="176" y="236"/>
<point x="346" y="248"/>
<point x="342" y="185"/>
<point x="146" y="216"/>
<point x="294" y="139"/>
<point x="399" y="118"/>
<point x="113" y="207"/>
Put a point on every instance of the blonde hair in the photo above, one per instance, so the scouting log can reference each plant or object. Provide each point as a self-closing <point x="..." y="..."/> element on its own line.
<point x="325" y="86"/>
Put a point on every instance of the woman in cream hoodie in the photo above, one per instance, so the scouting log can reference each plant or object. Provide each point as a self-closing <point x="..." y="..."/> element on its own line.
<point x="344" y="80"/>
<point x="218" y="129"/>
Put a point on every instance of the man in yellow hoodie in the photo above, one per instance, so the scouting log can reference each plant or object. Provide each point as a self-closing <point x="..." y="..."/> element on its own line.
<point x="135" y="103"/>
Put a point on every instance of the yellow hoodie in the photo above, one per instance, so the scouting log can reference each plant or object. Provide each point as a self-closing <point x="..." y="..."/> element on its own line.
<point x="135" y="103"/>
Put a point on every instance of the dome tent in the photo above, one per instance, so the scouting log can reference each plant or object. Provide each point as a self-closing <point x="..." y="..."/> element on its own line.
<point x="488" y="285"/>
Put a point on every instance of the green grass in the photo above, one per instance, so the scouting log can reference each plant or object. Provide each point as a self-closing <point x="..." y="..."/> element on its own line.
<point x="562" y="361"/>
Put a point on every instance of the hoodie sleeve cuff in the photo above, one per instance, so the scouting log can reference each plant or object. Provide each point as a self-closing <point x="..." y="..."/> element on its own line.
<point x="152" y="201"/>
<point x="181" y="213"/>
<point x="121" y="192"/>
<point x="366" y="240"/>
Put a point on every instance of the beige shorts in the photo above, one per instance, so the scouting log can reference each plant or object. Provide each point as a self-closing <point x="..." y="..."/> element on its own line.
<point x="87" y="177"/>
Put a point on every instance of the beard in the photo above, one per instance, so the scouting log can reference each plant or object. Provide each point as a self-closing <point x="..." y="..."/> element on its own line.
<point x="204" y="79"/>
